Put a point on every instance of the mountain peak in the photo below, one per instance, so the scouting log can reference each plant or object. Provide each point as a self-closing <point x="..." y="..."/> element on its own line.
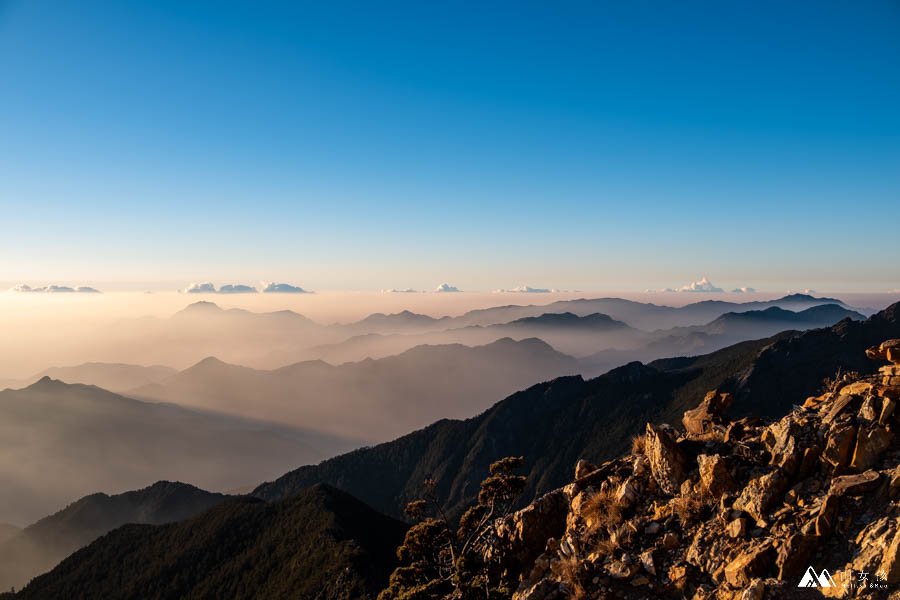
<point x="201" y="307"/>
<point x="47" y="384"/>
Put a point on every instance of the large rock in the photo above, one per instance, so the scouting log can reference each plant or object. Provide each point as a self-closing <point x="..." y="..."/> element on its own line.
<point x="839" y="446"/>
<point x="827" y="515"/>
<point x="855" y="485"/>
<point x="890" y="564"/>
<point x="708" y="549"/>
<point x="887" y="350"/>
<point x="715" y="479"/>
<point x="522" y="536"/>
<point x="709" y="413"/>
<point x="879" y="544"/>
<point x="781" y="439"/>
<point x="667" y="462"/>
<point x="794" y="555"/>
<point x="750" y="564"/>
<point x="761" y="494"/>
<point x="871" y="442"/>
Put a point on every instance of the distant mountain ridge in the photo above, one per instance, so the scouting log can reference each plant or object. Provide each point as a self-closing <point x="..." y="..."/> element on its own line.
<point x="555" y="423"/>
<point x="39" y="547"/>
<point x="61" y="441"/>
<point x="370" y="400"/>
<point x="115" y="377"/>
<point x="322" y="543"/>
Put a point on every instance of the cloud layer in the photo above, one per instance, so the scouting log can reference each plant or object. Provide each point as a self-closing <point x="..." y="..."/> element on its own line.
<point x="704" y="285"/>
<point x="55" y="289"/>
<point x="743" y="290"/>
<point x="240" y="288"/>
<point x="400" y="291"/>
<point x="525" y="289"/>
<point x="237" y="288"/>
<point x="446" y="287"/>
<point x="283" y="288"/>
<point x="200" y="288"/>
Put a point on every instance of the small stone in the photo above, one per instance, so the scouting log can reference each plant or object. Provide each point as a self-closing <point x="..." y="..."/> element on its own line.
<point x="583" y="467"/>
<point x="626" y="493"/>
<point x="737" y="528"/>
<point x="755" y="591"/>
<point x="670" y="540"/>
<point x="653" y="528"/>
<point x="650" y="561"/>
<point x="870" y="408"/>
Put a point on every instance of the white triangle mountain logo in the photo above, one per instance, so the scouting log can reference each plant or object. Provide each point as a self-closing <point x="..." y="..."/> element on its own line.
<point x="810" y="579"/>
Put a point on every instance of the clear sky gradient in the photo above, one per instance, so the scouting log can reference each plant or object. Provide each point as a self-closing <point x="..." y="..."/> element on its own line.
<point x="589" y="145"/>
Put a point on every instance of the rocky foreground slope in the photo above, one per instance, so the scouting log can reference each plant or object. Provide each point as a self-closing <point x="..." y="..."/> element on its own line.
<point x="727" y="509"/>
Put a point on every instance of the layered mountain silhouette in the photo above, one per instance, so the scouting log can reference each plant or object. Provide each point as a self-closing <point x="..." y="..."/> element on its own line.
<point x="723" y="331"/>
<point x="62" y="441"/>
<point x="321" y="543"/>
<point x="274" y="339"/>
<point x="39" y="547"/>
<point x="372" y="400"/>
<point x="554" y="424"/>
<point x="114" y="377"/>
<point x="600" y="342"/>
<point x="304" y="538"/>
<point x="641" y="315"/>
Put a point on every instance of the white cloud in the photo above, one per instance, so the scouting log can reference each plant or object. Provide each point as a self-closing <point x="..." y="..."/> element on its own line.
<point x="703" y="285"/>
<point x="743" y="290"/>
<point x="237" y="288"/>
<point x="200" y="288"/>
<point x="283" y="288"/>
<point x="525" y="289"/>
<point x="400" y="291"/>
<point x="446" y="287"/>
<point x="55" y="289"/>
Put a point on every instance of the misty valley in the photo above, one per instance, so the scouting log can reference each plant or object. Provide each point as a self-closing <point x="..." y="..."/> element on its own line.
<point x="373" y="407"/>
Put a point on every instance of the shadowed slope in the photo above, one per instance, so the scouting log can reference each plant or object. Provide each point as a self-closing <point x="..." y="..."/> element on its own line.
<point x="321" y="544"/>
<point x="42" y="545"/>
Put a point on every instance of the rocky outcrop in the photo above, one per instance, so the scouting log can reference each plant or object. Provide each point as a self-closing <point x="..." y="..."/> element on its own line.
<point x="731" y="510"/>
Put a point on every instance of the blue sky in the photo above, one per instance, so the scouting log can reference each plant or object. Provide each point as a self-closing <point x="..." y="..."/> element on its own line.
<point x="591" y="145"/>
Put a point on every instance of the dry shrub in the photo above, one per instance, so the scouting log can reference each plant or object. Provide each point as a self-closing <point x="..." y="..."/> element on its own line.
<point x="605" y="547"/>
<point x="688" y="508"/>
<point x="602" y="510"/>
<point x="838" y="380"/>
<point x="638" y="442"/>
<point x="571" y="572"/>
